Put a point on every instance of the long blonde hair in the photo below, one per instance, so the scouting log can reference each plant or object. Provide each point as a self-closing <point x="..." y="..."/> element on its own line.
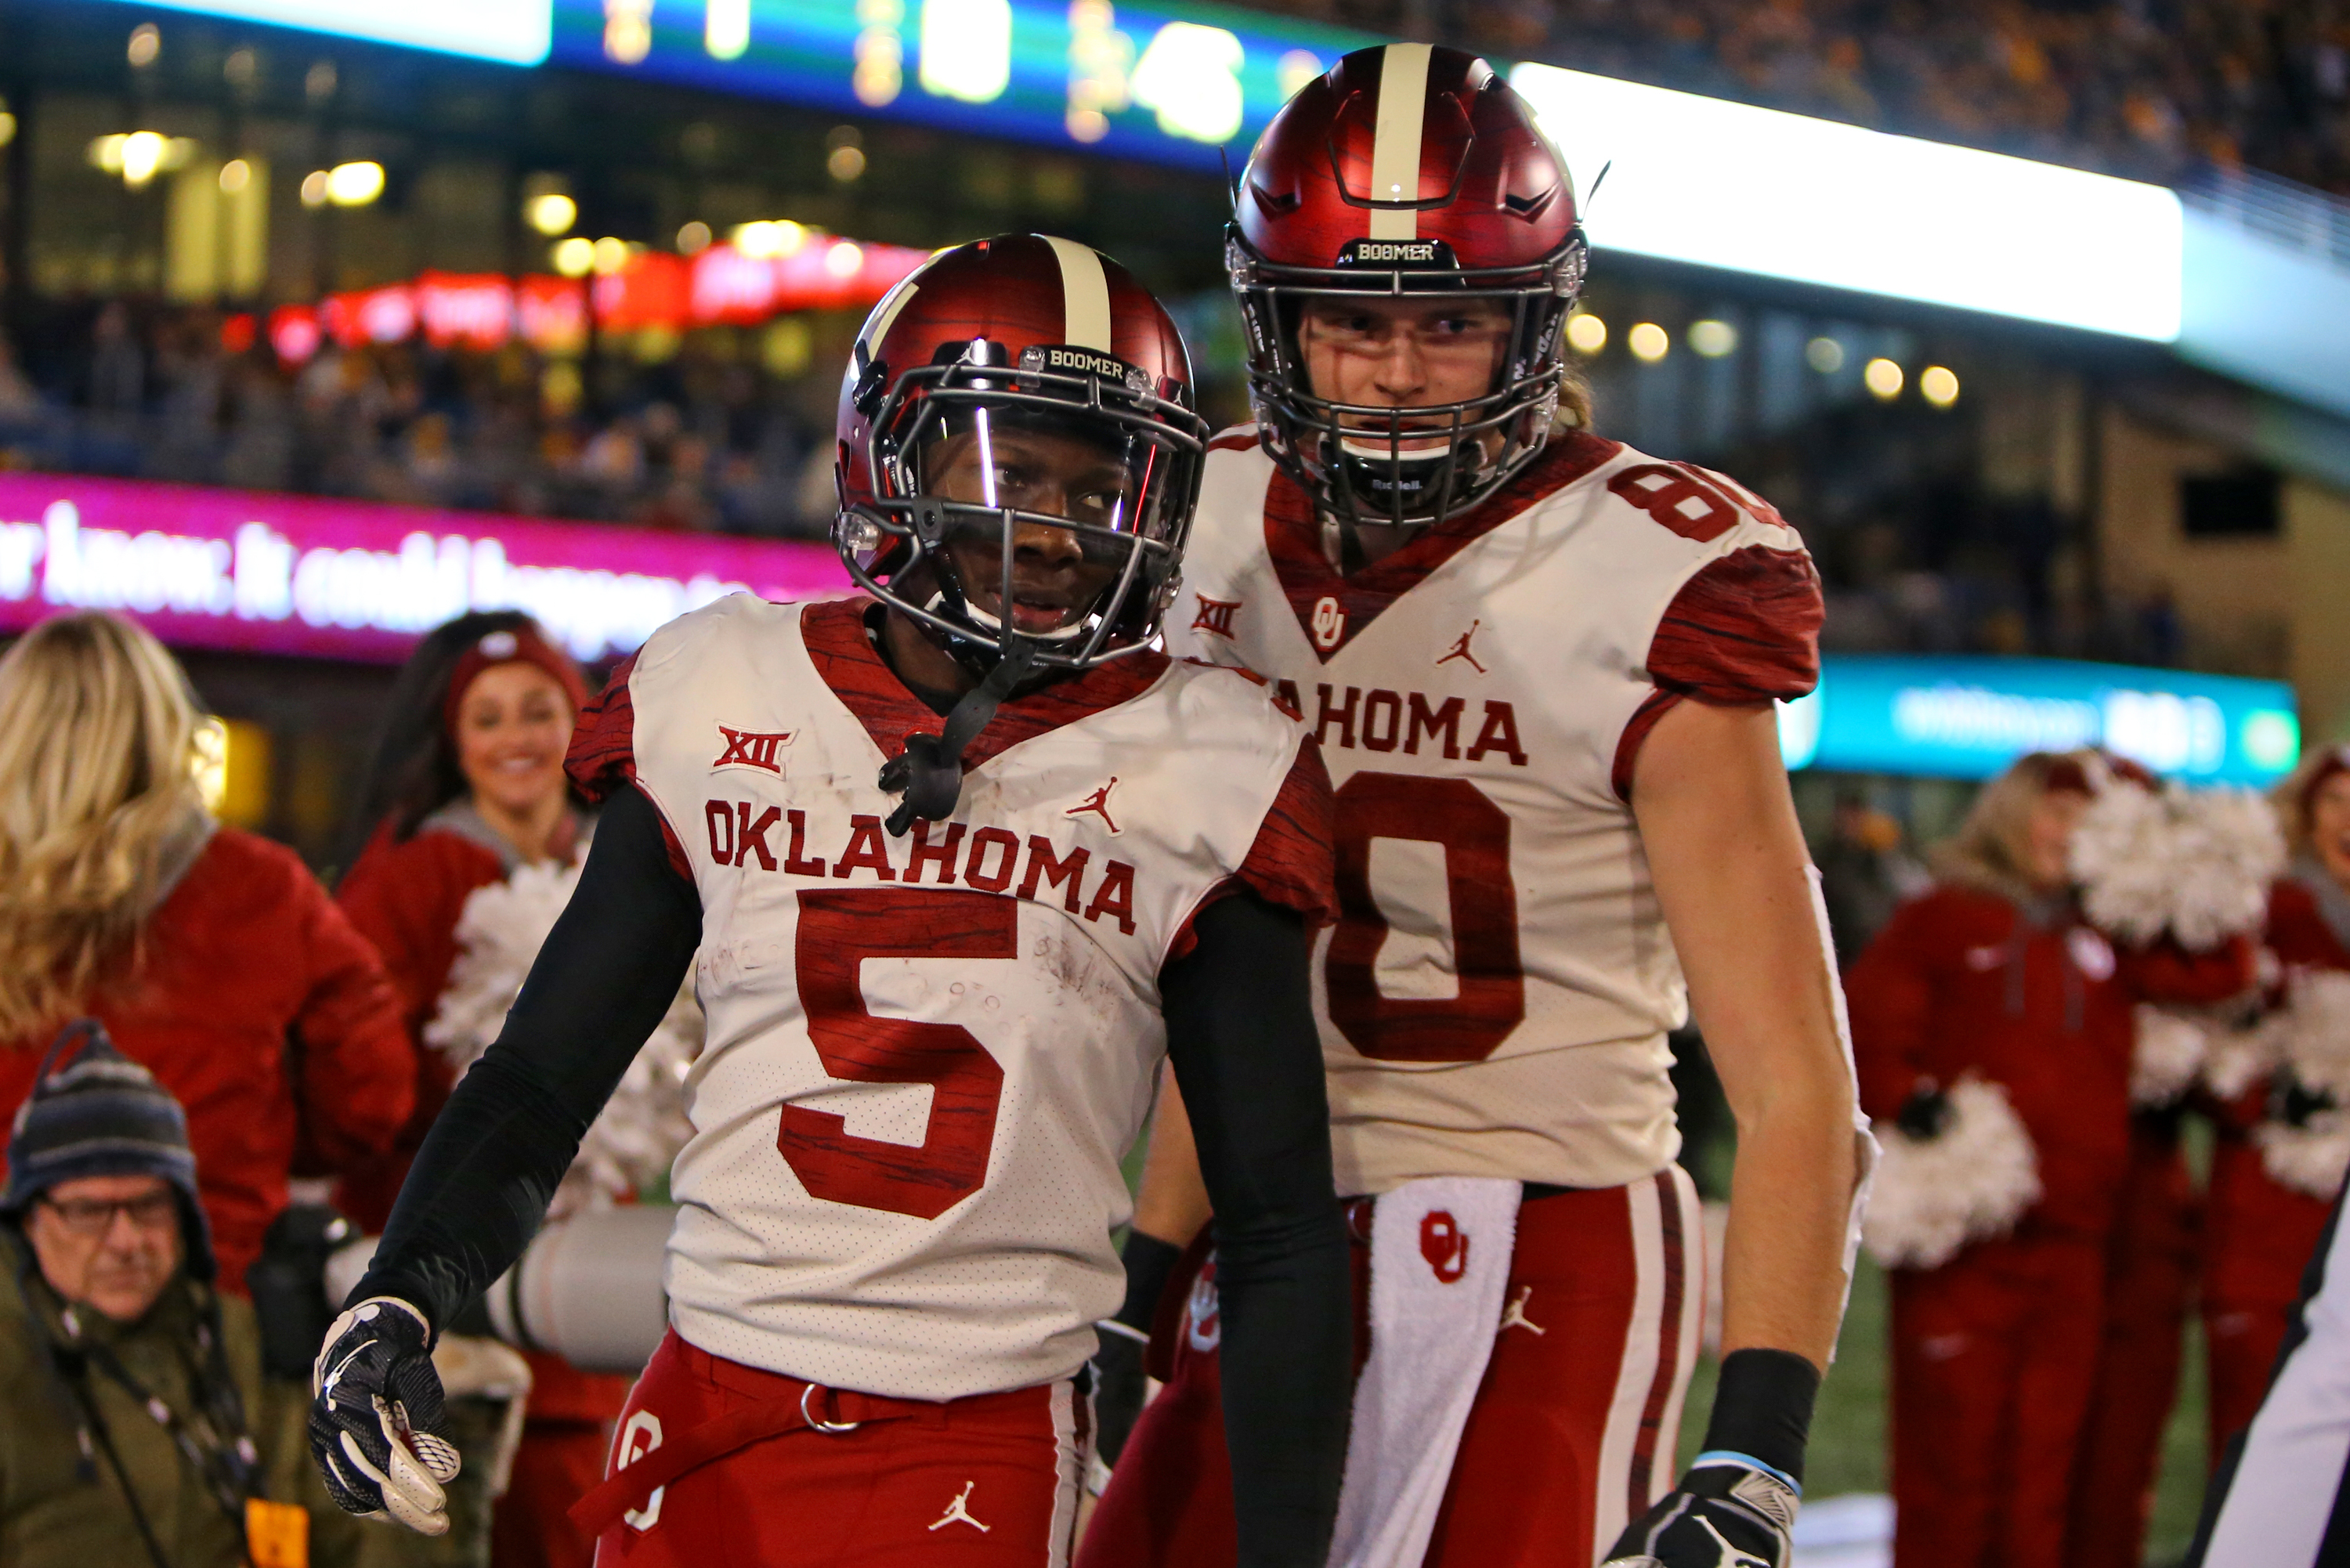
<point x="1991" y="850"/>
<point x="98" y="751"/>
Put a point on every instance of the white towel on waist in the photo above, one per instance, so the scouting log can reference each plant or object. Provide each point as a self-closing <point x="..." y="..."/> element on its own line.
<point x="1439" y="1260"/>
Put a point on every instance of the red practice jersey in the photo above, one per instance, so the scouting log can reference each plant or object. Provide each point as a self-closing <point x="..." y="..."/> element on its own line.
<point x="1495" y="995"/>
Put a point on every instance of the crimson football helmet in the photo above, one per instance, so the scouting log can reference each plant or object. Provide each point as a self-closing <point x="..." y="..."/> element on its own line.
<point x="1020" y="333"/>
<point x="1409" y="169"/>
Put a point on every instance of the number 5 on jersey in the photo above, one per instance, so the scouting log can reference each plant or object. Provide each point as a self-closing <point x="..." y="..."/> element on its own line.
<point x="839" y="928"/>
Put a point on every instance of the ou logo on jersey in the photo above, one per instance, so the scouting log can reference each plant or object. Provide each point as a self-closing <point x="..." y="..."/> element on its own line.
<point x="1329" y="622"/>
<point x="641" y="1437"/>
<point x="1204" y="1314"/>
<point x="1444" y="1244"/>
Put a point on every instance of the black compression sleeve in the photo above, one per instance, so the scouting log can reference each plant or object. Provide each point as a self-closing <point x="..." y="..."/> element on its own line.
<point x="608" y="971"/>
<point x="1240" y="1033"/>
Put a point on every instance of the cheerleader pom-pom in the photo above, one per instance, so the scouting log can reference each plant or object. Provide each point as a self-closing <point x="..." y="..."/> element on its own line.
<point x="2311" y="1158"/>
<point x="2235" y="1059"/>
<point x="2193" y="863"/>
<point x="1970" y="1180"/>
<point x="644" y="1124"/>
<point x="2170" y="1051"/>
<point x="2316" y="1031"/>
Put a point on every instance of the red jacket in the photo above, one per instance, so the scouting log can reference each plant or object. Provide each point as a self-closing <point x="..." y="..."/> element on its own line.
<point x="1960" y="980"/>
<point x="270" y="1018"/>
<point x="405" y="897"/>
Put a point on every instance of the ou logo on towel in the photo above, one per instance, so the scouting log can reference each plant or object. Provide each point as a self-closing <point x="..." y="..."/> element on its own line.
<point x="1444" y="1244"/>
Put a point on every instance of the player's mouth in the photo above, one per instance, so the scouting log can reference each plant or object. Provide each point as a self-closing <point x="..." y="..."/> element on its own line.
<point x="1037" y="612"/>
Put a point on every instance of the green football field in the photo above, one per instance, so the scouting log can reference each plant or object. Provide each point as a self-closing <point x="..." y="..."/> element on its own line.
<point x="1849" y="1428"/>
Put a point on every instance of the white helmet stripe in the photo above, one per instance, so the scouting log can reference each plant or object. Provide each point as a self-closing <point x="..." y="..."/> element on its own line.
<point x="886" y="316"/>
<point x="1395" y="139"/>
<point x="1085" y="294"/>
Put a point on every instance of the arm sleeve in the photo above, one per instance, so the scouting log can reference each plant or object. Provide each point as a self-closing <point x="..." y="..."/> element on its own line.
<point x="359" y="1064"/>
<point x="1890" y="994"/>
<point x="1241" y="1035"/>
<point x="608" y="971"/>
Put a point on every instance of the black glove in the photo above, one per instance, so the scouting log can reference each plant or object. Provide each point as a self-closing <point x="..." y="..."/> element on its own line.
<point x="1925" y="1113"/>
<point x="376" y="1424"/>
<point x="1119" y="1381"/>
<point x="1737" y="1503"/>
<point x="1724" y="1515"/>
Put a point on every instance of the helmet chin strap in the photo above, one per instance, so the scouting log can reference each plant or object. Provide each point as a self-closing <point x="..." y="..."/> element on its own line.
<point x="930" y="770"/>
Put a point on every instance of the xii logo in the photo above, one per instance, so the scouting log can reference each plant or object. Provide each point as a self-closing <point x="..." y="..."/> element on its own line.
<point x="751" y="749"/>
<point x="1215" y="616"/>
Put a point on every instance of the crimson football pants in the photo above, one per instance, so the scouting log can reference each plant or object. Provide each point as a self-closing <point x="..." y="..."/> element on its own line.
<point x="1574" y="1430"/>
<point x="2261" y="1235"/>
<point x="1993" y="1355"/>
<point x="989" y="1482"/>
<point x="2150" y="1268"/>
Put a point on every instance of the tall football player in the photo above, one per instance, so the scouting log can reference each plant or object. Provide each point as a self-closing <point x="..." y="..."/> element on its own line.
<point x="1541" y="667"/>
<point x="953" y="865"/>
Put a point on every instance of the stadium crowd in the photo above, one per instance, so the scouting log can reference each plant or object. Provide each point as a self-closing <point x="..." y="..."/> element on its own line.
<point x="2154" y="89"/>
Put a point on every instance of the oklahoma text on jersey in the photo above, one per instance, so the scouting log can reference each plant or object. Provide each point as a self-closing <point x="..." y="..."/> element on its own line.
<point x="926" y="1056"/>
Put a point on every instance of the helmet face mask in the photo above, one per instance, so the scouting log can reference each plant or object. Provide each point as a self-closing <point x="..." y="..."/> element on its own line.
<point x="1492" y="219"/>
<point x="1019" y="494"/>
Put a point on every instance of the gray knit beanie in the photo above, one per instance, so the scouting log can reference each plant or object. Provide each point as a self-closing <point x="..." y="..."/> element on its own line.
<point x="95" y="1112"/>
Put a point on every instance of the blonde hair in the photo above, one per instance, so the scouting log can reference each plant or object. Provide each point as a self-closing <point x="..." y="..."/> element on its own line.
<point x="2292" y="794"/>
<point x="1990" y="849"/>
<point x="98" y="751"/>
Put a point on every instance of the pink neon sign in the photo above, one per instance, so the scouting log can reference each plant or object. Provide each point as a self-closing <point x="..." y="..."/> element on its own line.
<point x="344" y="579"/>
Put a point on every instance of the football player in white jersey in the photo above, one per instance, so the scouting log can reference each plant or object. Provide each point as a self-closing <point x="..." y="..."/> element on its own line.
<point x="954" y="865"/>
<point x="1542" y="668"/>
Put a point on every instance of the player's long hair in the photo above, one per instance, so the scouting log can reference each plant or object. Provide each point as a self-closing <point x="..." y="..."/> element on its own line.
<point x="98" y="751"/>
<point x="414" y="770"/>
<point x="1990" y="850"/>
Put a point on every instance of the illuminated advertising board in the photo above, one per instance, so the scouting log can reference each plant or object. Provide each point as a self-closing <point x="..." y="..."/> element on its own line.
<point x="514" y="32"/>
<point x="344" y="579"/>
<point x="1956" y="717"/>
<point x="1169" y="83"/>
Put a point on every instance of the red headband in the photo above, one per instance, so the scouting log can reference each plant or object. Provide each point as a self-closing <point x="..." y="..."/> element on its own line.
<point x="521" y="645"/>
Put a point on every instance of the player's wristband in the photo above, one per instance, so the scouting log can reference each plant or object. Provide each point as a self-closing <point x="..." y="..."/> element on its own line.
<point x="1762" y="1411"/>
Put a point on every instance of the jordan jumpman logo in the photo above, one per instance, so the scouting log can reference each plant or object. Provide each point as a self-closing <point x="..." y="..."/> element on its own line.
<point x="959" y="1512"/>
<point x="1098" y="804"/>
<point x="1514" y="1314"/>
<point x="1460" y="649"/>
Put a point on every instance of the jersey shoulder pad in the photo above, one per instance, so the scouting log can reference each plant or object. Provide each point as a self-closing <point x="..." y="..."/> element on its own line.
<point x="1698" y="504"/>
<point x="603" y="753"/>
<point x="1234" y="438"/>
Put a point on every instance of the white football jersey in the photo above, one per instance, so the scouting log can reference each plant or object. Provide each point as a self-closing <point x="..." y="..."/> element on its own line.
<point x="1495" y="995"/>
<point x="927" y="1055"/>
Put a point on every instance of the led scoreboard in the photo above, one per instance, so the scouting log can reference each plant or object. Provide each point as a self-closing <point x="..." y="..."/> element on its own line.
<point x="1169" y="84"/>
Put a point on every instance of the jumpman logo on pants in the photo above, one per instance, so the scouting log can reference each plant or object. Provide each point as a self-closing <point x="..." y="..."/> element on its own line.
<point x="959" y="1512"/>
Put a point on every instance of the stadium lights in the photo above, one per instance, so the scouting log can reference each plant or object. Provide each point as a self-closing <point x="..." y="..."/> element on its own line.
<point x="609" y="255"/>
<point x="551" y="213"/>
<point x="575" y="257"/>
<point x="1825" y="354"/>
<point x="145" y="43"/>
<point x="1938" y="386"/>
<point x="139" y="156"/>
<point x="1882" y="378"/>
<point x="350" y="184"/>
<point x="1648" y="341"/>
<point x="517" y="32"/>
<point x="766" y="241"/>
<point x="1695" y="179"/>
<point x="966" y="50"/>
<point x="234" y="176"/>
<point x="692" y="238"/>
<point x="1712" y="340"/>
<point x="1587" y="334"/>
<point x="844" y="258"/>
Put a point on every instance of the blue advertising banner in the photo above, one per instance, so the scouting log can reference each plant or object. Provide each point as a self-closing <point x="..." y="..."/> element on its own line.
<point x="1961" y="717"/>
